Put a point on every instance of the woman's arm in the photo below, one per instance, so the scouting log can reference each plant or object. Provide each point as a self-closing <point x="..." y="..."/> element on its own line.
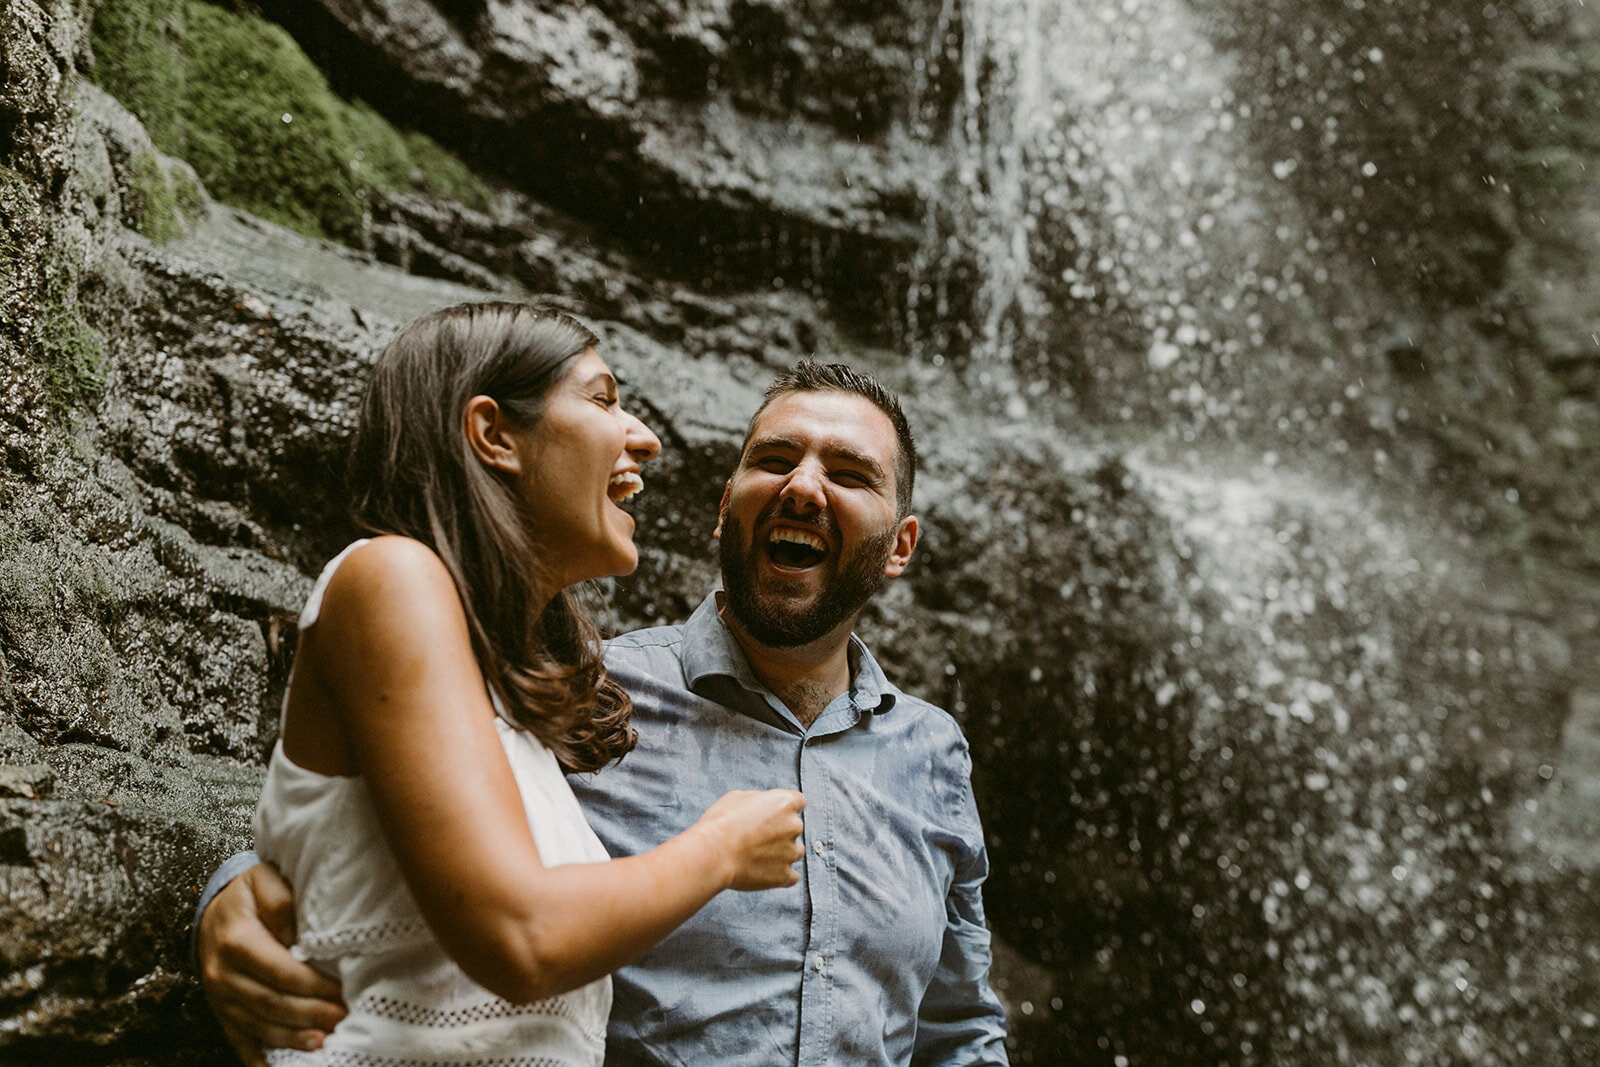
<point x="391" y="657"/>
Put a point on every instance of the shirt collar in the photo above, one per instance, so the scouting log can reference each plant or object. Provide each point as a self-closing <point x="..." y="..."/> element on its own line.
<point x="710" y="650"/>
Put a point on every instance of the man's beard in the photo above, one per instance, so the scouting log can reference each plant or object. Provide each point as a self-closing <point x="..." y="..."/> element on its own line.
<point x="768" y="619"/>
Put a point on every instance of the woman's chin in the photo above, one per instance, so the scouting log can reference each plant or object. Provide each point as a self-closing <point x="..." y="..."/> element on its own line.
<point x="626" y="562"/>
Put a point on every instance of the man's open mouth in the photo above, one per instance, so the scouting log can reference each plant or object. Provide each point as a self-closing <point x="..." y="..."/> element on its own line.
<point x="794" y="550"/>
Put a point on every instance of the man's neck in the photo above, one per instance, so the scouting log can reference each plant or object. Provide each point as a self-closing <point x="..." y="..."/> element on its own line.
<point x="806" y="677"/>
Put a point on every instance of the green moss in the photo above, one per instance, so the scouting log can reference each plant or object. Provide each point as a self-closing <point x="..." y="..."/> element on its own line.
<point x="234" y="96"/>
<point x="377" y="151"/>
<point x="66" y="348"/>
<point x="190" y="197"/>
<point x="43" y="302"/>
<point x="445" y="174"/>
<point x="153" y="203"/>
<point x="139" y="57"/>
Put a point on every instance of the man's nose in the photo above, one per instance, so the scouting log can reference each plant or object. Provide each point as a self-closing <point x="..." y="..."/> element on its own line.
<point x="803" y="491"/>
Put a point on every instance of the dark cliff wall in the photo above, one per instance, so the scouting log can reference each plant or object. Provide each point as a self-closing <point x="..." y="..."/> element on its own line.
<point x="1258" y="571"/>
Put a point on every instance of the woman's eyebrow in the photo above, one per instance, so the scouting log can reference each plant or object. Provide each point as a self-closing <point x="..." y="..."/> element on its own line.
<point x="605" y="378"/>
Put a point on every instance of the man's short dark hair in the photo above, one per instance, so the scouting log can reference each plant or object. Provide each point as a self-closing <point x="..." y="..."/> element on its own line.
<point x="809" y="376"/>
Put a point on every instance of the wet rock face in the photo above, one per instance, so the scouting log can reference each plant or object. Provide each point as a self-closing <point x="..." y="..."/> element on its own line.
<point x="731" y="144"/>
<point x="235" y="419"/>
<point x="139" y="659"/>
<point x="38" y="52"/>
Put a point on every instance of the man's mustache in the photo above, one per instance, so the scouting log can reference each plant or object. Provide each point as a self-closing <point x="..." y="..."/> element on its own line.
<point x="821" y="522"/>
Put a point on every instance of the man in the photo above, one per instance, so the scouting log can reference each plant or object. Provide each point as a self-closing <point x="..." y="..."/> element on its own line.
<point x="879" y="955"/>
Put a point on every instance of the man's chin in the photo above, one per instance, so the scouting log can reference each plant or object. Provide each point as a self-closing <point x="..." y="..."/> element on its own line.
<point x="776" y="620"/>
<point x="793" y="589"/>
<point x="782" y="604"/>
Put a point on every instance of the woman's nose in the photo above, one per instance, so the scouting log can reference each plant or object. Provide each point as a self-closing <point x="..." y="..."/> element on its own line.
<point x="641" y="442"/>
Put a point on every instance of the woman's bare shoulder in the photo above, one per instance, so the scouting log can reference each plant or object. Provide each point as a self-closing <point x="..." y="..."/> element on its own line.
<point x="390" y="574"/>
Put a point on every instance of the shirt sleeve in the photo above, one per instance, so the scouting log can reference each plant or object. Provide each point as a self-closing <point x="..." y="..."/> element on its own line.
<point x="231" y="868"/>
<point x="960" y="1022"/>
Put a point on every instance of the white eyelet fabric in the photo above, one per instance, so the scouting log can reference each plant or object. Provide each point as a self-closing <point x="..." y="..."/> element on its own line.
<point x="409" y="1003"/>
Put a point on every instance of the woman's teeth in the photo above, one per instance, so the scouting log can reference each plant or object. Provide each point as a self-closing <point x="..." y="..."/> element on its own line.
<point x="623" y="485"/>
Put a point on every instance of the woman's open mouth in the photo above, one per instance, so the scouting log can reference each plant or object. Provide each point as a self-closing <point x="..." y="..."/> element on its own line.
<point x="623" y="486"/>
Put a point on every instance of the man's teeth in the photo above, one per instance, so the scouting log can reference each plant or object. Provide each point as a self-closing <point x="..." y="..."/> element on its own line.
<point x="624" y="485"/>
<point x="799" y="537"/>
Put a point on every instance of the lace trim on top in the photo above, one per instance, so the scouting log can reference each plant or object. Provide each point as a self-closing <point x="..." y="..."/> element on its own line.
<point x="402" y="1011"/>
<point x="362" y="940"/>
<point x="283" y="1057"/>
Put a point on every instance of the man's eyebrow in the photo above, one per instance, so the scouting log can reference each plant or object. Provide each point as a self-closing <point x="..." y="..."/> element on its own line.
<point x="860" y="459"/>
<point x="790" y="444"/>
<point x="844" y="452"/>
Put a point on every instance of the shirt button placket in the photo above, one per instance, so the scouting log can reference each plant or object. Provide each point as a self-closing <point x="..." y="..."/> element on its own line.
<point x="816" y="1000"/>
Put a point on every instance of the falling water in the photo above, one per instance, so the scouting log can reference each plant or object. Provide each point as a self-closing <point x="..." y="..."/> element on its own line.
<point x="1081" y="135"/>
<point x="1296" y="812"/>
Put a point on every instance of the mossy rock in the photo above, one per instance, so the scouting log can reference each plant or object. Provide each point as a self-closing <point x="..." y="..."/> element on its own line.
<point x="235" y="97"/>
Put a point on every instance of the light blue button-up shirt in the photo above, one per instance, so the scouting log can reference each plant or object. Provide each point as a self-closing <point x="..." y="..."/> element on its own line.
<point x="879" y="955"/>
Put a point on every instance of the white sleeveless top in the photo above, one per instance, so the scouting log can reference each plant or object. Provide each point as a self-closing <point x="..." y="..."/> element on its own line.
<point x="409" y="1002"/>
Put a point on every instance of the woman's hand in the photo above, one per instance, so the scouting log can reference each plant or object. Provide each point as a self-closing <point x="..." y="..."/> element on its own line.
<point x="761" y="830"/>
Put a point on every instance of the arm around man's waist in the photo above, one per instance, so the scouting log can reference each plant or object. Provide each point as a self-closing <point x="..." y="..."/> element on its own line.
<point x="231" y="868"/>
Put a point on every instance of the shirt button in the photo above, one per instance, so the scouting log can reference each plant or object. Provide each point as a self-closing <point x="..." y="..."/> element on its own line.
<point x="816" y="964"/>
<point x="818" y="847"/>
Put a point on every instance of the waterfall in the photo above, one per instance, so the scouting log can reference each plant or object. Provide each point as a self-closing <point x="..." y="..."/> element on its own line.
<point x="1100" y="194"/>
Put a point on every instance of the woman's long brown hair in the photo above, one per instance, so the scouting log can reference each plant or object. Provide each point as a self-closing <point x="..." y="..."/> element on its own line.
<point x="413" y="473"/>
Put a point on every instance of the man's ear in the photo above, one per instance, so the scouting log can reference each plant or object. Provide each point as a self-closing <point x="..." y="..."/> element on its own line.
<point x="722" y="511"/>
<point x="905" y="542"/>
<point x="489" y="435"/>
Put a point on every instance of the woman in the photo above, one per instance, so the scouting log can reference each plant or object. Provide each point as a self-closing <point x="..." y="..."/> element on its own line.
<point x="444" y="679"/>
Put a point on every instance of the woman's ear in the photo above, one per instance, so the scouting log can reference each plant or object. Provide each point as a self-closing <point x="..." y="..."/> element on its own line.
<point x="489" y="435"/>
